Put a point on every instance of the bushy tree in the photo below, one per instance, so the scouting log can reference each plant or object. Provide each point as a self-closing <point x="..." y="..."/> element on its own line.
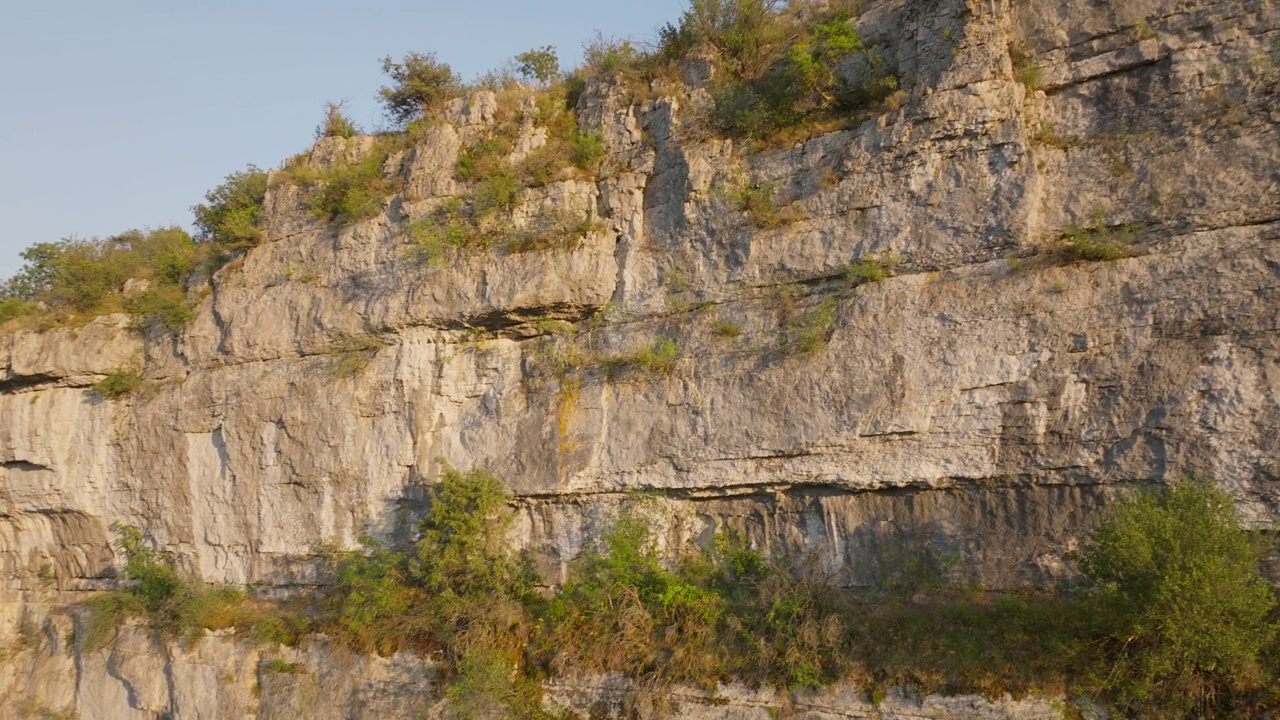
<point x="539" y="64"/>
<point x="1186" y="608"/>
<point x="232" y="215"/>
<point x="745" y="33"/>
<point x="419" y="83"/>
<point x="336" y="123"/>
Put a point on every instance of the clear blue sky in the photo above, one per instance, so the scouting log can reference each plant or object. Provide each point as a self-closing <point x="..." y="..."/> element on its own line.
<point x="121" y="114"/>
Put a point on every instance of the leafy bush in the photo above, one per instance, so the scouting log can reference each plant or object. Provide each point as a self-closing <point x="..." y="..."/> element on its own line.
<point x="871" y="270"/>
<point x="1098" y="242"/>
<point x="539" y="64"/>
<point x="606" y="57"/>
<point x="347" y="192"/>
<point x="89" y="276"/>
<point x="758" y="204"/>
<point x="658" y="358"/>
<point x="587" y="149"/>
<point x="496" y="193"/>
<point x="728" y="330"/>
<point x="420" y="84"/>
<point x="232" y="215"/>
<point x="811" y="330"/>
<point x="174" y="604"/>
<point x="461" y="588"/>
<point x="484" y="158"/>
<point x="336" y="123"/>
<point x="1188" y="614"/>
<point x="14" y="307"/>
<point x="118" y="384"/>
<point x="745" y="33"/>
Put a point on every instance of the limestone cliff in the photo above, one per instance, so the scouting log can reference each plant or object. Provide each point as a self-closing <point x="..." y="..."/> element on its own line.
<point x="985" y="401"/>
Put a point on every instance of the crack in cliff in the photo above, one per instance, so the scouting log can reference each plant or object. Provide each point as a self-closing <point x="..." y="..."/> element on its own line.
<point x="38" y="381"/>
<point x="816" y="488"/>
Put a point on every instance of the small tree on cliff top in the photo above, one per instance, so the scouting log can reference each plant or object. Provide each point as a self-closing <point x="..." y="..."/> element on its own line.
<point x="420" y="83"/>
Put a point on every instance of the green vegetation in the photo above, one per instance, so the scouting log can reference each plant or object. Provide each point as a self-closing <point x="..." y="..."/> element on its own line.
<point x="540" y="64"/>
<point x="758" y="204"/>
<point x="277" y="666"/>
<point x="779" y="65"/>
<point x="1174" y="619"/>
<point x="1026" y="69"/>
<point x="454" y="231"/>
<point x="810" y="330"/>
<point x="460" y="589"/>
<point x="353" y="353"/>
<point x="83" y="278"/>
<point x="336" y="123"/>
<point x="347" y="192"/>
<point x="1098" y="242"/>
<point x="871" y="269"/>
<point x="658" y="358"/>
<point x="1188" y="617"/>
<point x="419" y="84"/>
<point x="176" y="605"/>
<point x="727" y="329"/>
<point x="118" y="384"/>
<point x="231" y="217"/>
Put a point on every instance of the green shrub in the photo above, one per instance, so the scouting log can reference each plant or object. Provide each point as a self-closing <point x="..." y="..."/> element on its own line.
<point x="419" y="84"/>
<point x="336" y="123"/>
<point x="658" y="358"/>
<point x="728" y="330"/>
<point x="495" y="193"/>
<point x="554" y="228"/>
<point x="540" y="64"/>
<point x="1188" y="614"/>
<point x="484" y="158"/>
<point x="811" y="330"/>
<point x="588" y="149"/>
<point x="1098" y="242"/>
<point x="758" y="204"/>
<point x="118" y="384"/>
<point x="623" y="611"/>
<point x="441" y="235"/>
<point x="14" y="307"/>
<point x="606" y="57"/>
<point x="871" y="269"/>
<point x="174" y="604"/>
<point x="232" y="214"/>
<point x="1025" y="69"/>
<point x="745" y="33"/>
<point x="164" y="306"/>
<point x="279" y="666"/>
<point x="461" y="588"/>
<point x="88" y="276"/>
<point x="351" y="192"/>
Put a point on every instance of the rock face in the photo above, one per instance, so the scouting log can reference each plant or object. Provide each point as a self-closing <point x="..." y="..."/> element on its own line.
<point x="985" y="402"/>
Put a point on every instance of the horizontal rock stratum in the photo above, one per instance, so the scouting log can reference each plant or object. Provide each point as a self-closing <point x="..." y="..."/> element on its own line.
<point x="985" y="401"/>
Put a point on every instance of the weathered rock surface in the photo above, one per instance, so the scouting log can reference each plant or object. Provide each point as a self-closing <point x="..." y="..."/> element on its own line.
<point x="985" y="402"/>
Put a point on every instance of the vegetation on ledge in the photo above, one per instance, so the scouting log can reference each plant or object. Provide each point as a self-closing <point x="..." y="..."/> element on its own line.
<point x="1174" y="619"/>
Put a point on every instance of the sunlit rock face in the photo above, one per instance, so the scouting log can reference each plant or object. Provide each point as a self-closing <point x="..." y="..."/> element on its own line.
<point x="980" y="405"/>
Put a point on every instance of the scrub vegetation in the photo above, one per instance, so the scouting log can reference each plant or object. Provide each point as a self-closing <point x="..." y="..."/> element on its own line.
<point x="1173" y="618"/>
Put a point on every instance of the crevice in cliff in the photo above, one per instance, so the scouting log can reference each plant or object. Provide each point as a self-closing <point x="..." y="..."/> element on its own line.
<point x="1066" y="476"/>
<point x="24" y="466"/>
<point x="38" y="381"/>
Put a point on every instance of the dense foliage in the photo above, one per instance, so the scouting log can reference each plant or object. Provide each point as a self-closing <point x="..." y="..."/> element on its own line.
<point x="231" y="216"/>
<point x="1175" y="620"/>
<point x="420" y="83"/>
<point x="1189" y="616"/>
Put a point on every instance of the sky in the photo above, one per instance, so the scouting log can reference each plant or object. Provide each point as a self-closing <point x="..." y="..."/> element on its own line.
<point x="122" y="114"/>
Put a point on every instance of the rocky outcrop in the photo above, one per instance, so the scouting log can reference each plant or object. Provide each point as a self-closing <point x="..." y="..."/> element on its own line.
<point x="984" y="403"/>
